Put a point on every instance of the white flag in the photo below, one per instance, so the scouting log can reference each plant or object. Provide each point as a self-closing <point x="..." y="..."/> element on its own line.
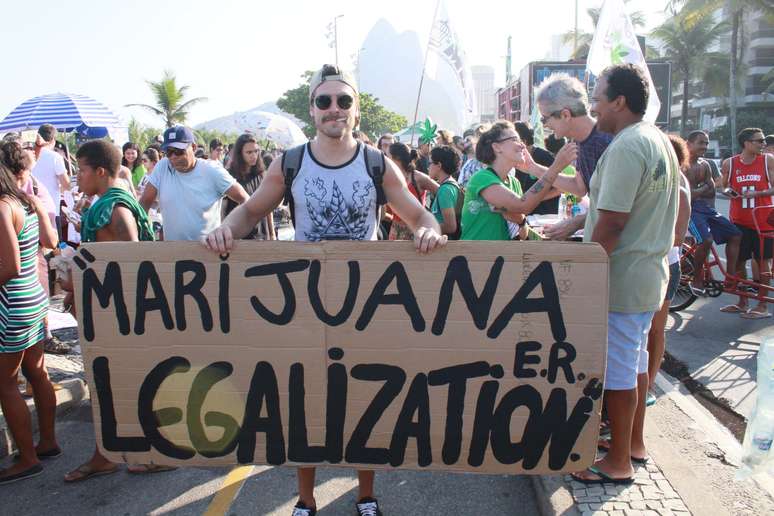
<point x="615" y="43"/>
<point x="445" y="50"/>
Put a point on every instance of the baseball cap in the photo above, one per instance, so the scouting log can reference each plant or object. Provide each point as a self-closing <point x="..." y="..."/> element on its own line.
<point x="179" y="137"/>
<point x="330" y="72"/>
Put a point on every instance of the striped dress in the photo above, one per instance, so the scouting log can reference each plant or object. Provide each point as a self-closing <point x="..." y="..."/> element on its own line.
<point x="23" y="302"/>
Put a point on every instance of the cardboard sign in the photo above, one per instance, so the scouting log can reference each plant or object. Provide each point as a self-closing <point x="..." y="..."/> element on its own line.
<point x="483" y="357"/>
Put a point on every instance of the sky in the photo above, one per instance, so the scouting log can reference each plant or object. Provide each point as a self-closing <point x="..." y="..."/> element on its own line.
<point x="241" y="54"/>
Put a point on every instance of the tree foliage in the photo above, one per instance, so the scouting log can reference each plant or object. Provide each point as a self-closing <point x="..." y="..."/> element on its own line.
<point x="375" y="119"/>
<point x="141" y="134"/>
<point x="171" y="104"/>
<point x="687" y="46"/>
<point x="296" y="102"/>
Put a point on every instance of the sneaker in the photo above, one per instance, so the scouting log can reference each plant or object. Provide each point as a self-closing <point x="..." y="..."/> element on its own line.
<point x="368" y="507"/>
<point x="302" y="510"/>
<point x="55" y="346"/>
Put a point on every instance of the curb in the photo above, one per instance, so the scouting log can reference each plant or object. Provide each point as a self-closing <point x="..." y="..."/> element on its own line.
<point x="552" y="496"/>
<point x="73" y="391"/>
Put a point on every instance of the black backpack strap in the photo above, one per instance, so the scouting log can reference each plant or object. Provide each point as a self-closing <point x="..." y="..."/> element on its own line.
<point x="291" y="164"/>
<point x="374" y="162"/>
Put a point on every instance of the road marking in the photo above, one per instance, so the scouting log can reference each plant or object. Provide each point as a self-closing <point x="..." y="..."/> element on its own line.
<point x="229" y="490"/>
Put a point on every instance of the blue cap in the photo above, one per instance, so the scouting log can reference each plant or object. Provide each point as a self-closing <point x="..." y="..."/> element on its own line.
<point x="179" y="137"/>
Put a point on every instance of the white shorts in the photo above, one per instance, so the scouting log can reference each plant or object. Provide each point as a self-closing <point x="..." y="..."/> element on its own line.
<point x="627" y="349"/>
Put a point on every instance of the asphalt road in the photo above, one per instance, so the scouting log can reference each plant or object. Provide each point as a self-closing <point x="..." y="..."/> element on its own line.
<point x="266" y="490"/>
<point x="720" y="350"/>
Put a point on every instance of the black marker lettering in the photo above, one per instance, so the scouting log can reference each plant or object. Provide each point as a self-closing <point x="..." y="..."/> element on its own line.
<point x="194" y="289"/>
<point x="201" y="386"/>
<point x="147" y="276"/>
<point x="281" y="270"/>
<point x="151" y="420"/>
<point x="111" y="287"/>
<point x="479" y="306"/>
<point x="404" y="296"/>
<point x="393" y="377"/>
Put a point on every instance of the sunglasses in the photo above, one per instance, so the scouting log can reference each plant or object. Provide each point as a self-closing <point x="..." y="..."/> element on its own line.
<point x="544" y="119"/>
<point x="514" y="138"/>
<point x="324" y="101"/>
<point x="171" y="151"/>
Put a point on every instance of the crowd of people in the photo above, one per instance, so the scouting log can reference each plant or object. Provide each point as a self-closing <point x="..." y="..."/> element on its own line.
<point x="642" y="188"/>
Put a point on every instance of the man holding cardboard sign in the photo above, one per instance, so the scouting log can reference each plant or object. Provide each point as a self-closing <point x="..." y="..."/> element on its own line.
<point x="334" y="195"/>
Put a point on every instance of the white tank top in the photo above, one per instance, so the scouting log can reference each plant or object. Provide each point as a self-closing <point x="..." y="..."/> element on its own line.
<point x="334" y="203"/>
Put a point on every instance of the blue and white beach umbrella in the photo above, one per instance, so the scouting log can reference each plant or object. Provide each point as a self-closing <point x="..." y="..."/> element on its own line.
<point x="67" y="112"/>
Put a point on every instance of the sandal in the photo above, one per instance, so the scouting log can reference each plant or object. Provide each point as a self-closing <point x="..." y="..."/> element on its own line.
<point x="604" y="478"/>
<point x="55" y="346"/>
<point x="141" y="469"/>
<point x="733" y="309"/>
<point x="754" y="314"/>
<point x="86" y="471"/>
<point x="33" y="471"/>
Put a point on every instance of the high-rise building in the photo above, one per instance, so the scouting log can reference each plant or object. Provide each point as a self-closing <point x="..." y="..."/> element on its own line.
<point x="483" y="81"/>
<point x="709" y="111"/>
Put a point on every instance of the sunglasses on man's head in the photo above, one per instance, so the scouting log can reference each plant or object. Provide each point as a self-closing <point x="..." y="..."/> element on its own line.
<point x="171" y="151"/>
<point x="324" y="101"/>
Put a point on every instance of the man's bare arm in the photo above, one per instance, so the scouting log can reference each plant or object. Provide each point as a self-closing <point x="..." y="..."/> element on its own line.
<point x="237" y="193"/>
<point x="148" y="196"/>
<point x="608" y="229"/>
<point x="725" y="172"/>
<point x="705" y="186"/>
<point x="123" y="225"/>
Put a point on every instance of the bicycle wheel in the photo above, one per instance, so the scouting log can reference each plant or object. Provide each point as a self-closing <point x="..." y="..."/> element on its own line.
<point x="683" y="296"/>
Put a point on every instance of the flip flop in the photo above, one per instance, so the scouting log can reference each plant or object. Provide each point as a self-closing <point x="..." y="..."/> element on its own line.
<point x="142" y="469"/>
<point x="34" y="471"/>
<point x="698" y="292"/>
<point x="84" y="472"/>
<point x="604" y="478"/>
<point x="733" y="309"/>
<point x="753" y="314"/>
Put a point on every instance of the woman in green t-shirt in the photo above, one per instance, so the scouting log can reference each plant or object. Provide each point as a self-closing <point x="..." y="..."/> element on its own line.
<point x="447" y="203"/>
<point x="493" y="198"/>
<point x="131" y="160"/>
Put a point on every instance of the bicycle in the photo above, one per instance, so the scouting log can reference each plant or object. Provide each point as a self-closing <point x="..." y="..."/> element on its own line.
<point x="729" y="284"/>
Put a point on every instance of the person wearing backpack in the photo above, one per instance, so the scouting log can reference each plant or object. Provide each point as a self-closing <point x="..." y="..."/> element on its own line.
<point x="447" y="204"/>
<point x="418" y="183"/>
<point x="335" y="186"/>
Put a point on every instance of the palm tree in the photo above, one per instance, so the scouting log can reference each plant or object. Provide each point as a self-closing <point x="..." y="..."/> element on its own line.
<point x="583" y="44"/>
<point x="687" y="46"/>
<point x="694" y="10"/>
<point x="170" y="104"/>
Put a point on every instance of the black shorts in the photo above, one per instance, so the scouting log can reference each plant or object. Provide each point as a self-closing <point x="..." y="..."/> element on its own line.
<point x="751" y="245"/>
